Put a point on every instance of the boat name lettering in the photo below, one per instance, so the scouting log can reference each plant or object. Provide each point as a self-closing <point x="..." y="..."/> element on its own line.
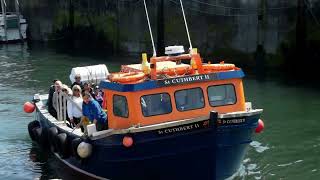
<point x="230" y="121"/>
<point x="187" y="79"/>
<point x="198" y="125"/>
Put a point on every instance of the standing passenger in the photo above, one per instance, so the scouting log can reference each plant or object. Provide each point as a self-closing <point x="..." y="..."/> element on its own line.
<point x="51" y="110"/>
<point x="88" y="88"/>
<point x="58" y="86"/>
<point x="75" y="106"/>
<point x="77" y="81"/>
<point x="98" y="95"/>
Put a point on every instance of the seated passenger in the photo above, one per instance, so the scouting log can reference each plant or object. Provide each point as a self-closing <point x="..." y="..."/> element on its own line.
<point x="93" y="111"/>
<point x="74" y="106"/>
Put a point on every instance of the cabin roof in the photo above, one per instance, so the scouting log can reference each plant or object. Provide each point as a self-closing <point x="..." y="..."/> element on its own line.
<point x="153" y="84"/>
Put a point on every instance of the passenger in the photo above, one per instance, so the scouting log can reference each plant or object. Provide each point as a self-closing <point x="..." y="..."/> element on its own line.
<point x="93" y="111"/>
<point x="165" y="104"/>
<point x="51" y="110"/>
<point x="98" y="95"/>
<point x="61" y="88"/>
<point x="77" y="81"/>
<point x="74" y="106"/>
<point x="88" y="88"/>
<point x="66" y="90"/>
<point x="58" y="86"/>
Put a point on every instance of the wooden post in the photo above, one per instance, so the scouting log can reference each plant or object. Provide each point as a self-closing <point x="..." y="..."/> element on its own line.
<point x="4" y="16"/>
<point x="18" y="15"/>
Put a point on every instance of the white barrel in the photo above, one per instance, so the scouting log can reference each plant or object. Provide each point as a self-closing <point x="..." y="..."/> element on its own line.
<point x="93" y="74"/>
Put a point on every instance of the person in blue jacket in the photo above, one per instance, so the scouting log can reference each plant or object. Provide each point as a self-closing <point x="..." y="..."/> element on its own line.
<point x="93" y="111"/>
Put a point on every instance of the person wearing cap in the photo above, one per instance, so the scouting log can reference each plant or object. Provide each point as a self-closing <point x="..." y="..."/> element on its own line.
<point x="77" y="81"/>
<point x="51" y="110"/>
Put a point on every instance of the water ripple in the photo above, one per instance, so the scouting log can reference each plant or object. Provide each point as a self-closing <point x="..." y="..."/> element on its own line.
<point x="258" y="146"/>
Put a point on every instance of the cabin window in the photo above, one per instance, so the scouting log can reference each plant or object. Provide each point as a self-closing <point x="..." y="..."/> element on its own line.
<point x="120" y="106"/>
<point x="156" y="104"/>
<point x="222" y="95"/>
<point x="189" y="99"/>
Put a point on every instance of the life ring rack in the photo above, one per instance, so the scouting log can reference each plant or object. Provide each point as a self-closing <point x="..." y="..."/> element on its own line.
<point x="127" y="77"/>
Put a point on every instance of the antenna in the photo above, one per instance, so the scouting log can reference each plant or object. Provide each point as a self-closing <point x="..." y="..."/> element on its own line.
<point x="154" y="48"/>
<point x="185" y="22"/>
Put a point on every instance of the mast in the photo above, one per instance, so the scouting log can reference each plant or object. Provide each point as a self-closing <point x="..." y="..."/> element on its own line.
<point x="160" y="36"/>
<point x="150" y="30"/>
<point x="185" y="23"/>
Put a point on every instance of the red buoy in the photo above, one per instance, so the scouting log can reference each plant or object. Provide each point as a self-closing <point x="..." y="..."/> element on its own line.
<point x="127" y="141"/>
<point x="28" y="107"/>
<point x="260" y="126"/>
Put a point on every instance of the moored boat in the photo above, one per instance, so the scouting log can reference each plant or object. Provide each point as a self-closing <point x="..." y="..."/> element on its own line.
<point x="175" y="118"/>
<point x="13" y="26"/>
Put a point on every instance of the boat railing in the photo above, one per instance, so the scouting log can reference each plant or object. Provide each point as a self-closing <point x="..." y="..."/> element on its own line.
<point x="62" y="100"/>
<point x="61" y="106"/>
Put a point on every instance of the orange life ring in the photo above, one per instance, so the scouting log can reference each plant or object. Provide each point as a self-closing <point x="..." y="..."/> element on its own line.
<point x="128" y="77"/>
<point x="175" y="71"/>
<point x="218" y="67"/>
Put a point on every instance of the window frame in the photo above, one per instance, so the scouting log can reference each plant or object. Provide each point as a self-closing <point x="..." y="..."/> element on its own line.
<point x="234" y="90"/>
<point x="155" y="114"/>
<point x="204" y="103"/>
<point x="114" y="106"/>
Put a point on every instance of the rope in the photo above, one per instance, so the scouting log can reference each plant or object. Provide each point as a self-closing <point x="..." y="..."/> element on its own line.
<point x="147" y="14"/>
<point x="311" y="12"/>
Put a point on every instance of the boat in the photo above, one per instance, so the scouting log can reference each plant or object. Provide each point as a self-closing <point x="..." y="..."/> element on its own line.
<point x="13" y="27"/>
<point x="172" y="117"/>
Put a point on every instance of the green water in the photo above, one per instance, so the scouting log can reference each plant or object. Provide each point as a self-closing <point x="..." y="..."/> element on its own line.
<point x="289" y="148"/>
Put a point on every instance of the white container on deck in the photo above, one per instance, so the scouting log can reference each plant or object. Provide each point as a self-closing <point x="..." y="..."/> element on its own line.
<point x="91" y="128"/>
<point x="94" y="73"/>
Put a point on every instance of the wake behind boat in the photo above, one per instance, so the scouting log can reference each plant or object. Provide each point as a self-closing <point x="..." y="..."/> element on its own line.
<point x="173" y="118"/>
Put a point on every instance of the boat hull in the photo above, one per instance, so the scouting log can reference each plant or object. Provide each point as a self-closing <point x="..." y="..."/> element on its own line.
<point x="207" y="149"/>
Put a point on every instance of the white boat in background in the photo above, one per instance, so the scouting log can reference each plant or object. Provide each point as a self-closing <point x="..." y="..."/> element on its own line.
<point x="13" y="26"/>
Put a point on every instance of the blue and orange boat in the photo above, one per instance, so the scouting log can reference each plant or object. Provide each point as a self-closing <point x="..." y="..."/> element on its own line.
<point x="167" y="120"/>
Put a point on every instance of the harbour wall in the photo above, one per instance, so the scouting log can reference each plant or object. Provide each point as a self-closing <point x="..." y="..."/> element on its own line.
<point x="216" y="26"/>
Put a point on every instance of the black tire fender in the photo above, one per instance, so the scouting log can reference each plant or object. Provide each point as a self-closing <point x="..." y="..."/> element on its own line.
<point x="31" y="126"/>
<point x="52" y="133"/>
<point x="62" y="145"/>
